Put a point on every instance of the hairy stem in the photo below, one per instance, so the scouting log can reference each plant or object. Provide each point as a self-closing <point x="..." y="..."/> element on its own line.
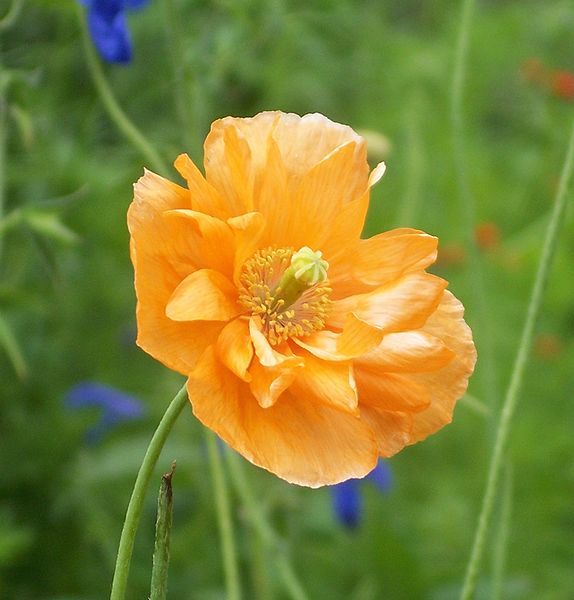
<point x="224" y="519"/>
<point x="115" y="111"/>
<point x="511" y="398"/>
<point x="141" y="485"/>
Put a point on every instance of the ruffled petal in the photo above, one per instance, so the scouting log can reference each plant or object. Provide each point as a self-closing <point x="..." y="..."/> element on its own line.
<point x="305" y="141"/>
<point x="404" y="304"/>
<point x="162" y="251"/>
<point x="389" y="255"/>
<point x="203" y="196"/>
<point x="392" y="429"/>
<point x="268" y="355"/>
<point x="408" y="352"/>
<point x="330" y="382"/>
<point x="390" y="391"/>
<point x="247" y="231"/>
<point x="318" y="199"/>
<point x="268" y="383"/>
<point x="213" y="240"/>
<point x="291" y="169"/>
<point x="205" y="295"/>
<point x="446" y="385"/>
<point x="234" y="348"/>
<point x="302" y="442"/>
<point x="228" y="166"/>
<point x="356" y="339"/>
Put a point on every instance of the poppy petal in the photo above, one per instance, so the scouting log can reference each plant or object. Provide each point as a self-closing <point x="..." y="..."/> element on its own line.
<point x="329" y="382"/>
<point x="449" y="383"/>
<point x="304" y="443"/>
<point x="408" y="351"/>
<point x="403" y="304"/>
<point x="205" y="295"/>
<point x="234" y="348"/>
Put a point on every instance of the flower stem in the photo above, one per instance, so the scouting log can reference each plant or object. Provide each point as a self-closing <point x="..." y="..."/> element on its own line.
<point x="511" y="397"/>
<point x="134" y="510"/>
<point x="116" y="113"/>
<point x="476" y="271"/>
<point x="275" y="545"/>
<point x="184" y="79"/>
<point x="501" y="541"/>
<point x="224" y="519"/>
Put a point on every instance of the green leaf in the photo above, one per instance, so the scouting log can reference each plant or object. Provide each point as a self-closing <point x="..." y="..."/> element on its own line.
<point x="49" y="225"/>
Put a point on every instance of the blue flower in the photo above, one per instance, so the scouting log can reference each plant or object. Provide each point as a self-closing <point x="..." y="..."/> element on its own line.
<point x="347" y="497"/>
<point x="115" y="406"/>
<point x="108" y="27"/>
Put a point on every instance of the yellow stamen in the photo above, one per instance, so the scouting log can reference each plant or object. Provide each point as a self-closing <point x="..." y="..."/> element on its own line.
<point x="288" y="290"/>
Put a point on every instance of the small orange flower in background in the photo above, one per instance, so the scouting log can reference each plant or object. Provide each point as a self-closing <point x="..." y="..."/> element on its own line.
<point x="308" y="350"/>
<point x="487" y="235"/>
<point x="563" y="84"/>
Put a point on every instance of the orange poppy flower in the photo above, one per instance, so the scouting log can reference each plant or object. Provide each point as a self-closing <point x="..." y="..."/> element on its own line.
<point x="308" y="350"/>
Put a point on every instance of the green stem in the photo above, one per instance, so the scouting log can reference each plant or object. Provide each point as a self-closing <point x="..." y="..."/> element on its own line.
<point x="184" y="80"/>
<point x="11" y="15"/>
<point x="501" y="541"/>
<point x="118" y="116"/>
<point x="276" y="546"/>
<point x="511" y="397"/>
<point x="134" y="510"/>
<point x="478" y="284"/>
<point x="224" y="518"/>
<point x="409" y="207"/>
<point x="290" y="580"/>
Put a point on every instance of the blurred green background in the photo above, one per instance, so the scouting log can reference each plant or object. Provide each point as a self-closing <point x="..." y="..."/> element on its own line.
<point x="67" y="300"/>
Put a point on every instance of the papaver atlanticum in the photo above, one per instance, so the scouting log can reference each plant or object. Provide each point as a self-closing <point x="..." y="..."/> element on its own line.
<point x="310" y="351"/>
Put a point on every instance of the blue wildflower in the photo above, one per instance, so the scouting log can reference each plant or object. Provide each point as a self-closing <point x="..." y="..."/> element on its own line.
<point x="347" y="497"/>
<point x="108" y="27"/>
<point x="115" y="406"/>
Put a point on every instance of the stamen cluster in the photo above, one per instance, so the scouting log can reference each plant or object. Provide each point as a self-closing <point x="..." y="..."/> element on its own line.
<point x="263" y="292"/>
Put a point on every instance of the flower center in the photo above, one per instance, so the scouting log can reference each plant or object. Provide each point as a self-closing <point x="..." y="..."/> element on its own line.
<point x="288" y="290"/>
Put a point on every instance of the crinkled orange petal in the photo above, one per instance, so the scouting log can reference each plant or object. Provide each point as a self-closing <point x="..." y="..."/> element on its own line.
<point x="302" y="442"/>
<point x="204" y="197"/>
<point x="247" y="231"/>
<point x="205" y="295"/>
<point x="268" y="355"/>
<point x="272" y="193"/>
<point x="389" y="391"/>
<point x="234" y="348"/>
<point x="446" y="385"/>
<point x="312" y="166"/>
<point x="403" y="304"/>
<point x="356" y="339"/>
<point x="228" y="167"/>
<point x="305" y="141"/>
<point x="344" y="234"/>
<point x="392" y="429"/>
<point x="389" y="255"/>
<point x="330" y="382"/>
<point x="162" y="250"/>
<point x="268" y="383"/>
<point x="212" y="248"/>
<point x="318" y="199"/>
<point x="408" y="352"/>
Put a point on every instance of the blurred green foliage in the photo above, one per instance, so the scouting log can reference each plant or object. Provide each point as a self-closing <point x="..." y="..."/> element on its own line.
<point x="67" y="301"/>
